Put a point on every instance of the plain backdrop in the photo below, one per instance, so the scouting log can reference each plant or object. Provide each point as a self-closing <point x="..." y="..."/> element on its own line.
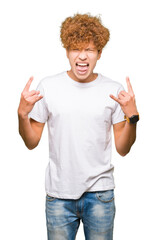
<point x="30" y="46"/>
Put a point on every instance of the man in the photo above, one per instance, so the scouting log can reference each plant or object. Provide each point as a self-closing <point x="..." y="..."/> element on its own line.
<point x="80" y="107"/>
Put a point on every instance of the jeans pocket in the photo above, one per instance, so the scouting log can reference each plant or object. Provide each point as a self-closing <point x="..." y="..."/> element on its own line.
<point x="105" y="196"/>
<point x="49" y="198"/>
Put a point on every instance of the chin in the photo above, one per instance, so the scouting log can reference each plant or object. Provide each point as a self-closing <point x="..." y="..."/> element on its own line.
<point x="82" y="77"/>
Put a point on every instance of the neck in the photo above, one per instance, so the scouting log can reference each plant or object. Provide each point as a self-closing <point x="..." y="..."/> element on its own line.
<point x="90" y="78"/>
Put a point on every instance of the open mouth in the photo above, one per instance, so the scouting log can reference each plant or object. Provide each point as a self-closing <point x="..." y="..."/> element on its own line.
<point x="82" y="67"/>
<point x="82" y="64"/>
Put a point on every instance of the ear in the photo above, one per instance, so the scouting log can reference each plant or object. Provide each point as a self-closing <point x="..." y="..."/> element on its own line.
<point x="99" y="54"/>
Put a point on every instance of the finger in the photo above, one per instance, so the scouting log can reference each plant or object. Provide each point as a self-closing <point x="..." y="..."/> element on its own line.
<point x="130" y="90"/>
<point x="121" y="96"/>
<point x="28" y="84"/>
<point x="33" y="92"/>
<point x="114" y="98"/>
<point x="123" y="93"/>
<point x="27" y="95"/>
<point x="39" y="98"/>
<point x="34" y="99"/>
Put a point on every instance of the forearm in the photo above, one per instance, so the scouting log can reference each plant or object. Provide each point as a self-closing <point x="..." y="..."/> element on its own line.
<point x="27" y="133"/>
<point x="126" y="139"/>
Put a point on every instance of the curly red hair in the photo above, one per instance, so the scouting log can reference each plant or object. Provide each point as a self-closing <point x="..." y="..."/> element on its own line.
<point x="79" y="30"/>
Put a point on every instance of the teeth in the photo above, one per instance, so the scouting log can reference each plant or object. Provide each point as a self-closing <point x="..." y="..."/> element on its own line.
<point x="82" y="64"/>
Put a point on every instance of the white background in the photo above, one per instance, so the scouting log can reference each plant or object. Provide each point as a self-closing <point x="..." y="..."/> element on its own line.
<point x="30" y="45"/>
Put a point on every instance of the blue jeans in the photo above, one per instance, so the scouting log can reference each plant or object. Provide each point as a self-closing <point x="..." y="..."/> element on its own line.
<point x="95" y="209"/>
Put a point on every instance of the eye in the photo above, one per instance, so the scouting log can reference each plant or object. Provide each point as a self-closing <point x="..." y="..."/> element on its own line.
<point x="90" y="50"/>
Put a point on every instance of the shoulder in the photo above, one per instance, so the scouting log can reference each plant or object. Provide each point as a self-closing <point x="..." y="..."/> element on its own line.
<point x="110" y="83"/>
<point x="53" y="80"/>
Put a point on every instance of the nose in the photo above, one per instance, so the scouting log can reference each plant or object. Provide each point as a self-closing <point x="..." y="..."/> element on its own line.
<point x="83" y="55"/>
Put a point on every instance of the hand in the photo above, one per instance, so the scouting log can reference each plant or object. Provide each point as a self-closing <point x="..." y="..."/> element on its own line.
<point x="28" y="99"/>
<point x="127" y="100"/>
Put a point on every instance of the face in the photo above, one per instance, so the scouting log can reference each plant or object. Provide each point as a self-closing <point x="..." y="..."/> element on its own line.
<point x="83" y="62"/>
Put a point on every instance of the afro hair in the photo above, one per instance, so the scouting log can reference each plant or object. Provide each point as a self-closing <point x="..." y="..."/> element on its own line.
<point x="79" y="30"/>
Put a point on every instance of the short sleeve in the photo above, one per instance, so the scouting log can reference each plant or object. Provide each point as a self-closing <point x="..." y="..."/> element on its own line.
<point x="39" y="112"/>
<point x="118" y="114"/>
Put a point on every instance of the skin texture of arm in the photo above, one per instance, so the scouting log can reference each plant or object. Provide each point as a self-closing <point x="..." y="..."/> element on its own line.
<point x="29" y="129"/>
<point x="124" y="132"/>
<point x="125" y="136"/>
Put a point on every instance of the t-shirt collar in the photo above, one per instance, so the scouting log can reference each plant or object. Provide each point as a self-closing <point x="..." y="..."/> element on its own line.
<point x="79" y="84"/>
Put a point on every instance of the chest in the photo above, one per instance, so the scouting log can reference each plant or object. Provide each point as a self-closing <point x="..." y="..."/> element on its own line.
<point x="92" y="104"/>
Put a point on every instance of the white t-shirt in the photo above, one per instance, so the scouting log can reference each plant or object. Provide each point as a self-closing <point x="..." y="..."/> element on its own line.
<point x="79" y="118"/>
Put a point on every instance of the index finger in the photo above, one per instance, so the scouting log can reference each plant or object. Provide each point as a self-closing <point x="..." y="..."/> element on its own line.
<point x="130" y="90"/>
<point x="28" y="84"/>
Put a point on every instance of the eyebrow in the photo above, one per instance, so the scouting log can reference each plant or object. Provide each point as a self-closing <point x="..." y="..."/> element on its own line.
<point x="91" y="48"/>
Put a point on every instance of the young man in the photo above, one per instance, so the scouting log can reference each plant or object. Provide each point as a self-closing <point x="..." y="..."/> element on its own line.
<point x="80" y="107"/>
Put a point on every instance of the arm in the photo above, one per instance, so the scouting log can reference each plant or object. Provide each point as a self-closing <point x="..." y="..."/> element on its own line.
<point x="125" y="136"/>
<point x="29" y="129"/>
<point x="124" y="132"/>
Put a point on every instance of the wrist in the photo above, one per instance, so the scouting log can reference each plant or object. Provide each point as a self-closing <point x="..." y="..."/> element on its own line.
<point x="132" y="113"/>
<point x="22" y="115"/>
<point x="133" y="119"/>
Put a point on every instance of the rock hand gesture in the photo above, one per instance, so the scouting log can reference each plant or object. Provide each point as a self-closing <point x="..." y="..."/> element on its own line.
<point x="28" y="99"/>
<point x="127" y="100"/>
<point x="29" y="129"/>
